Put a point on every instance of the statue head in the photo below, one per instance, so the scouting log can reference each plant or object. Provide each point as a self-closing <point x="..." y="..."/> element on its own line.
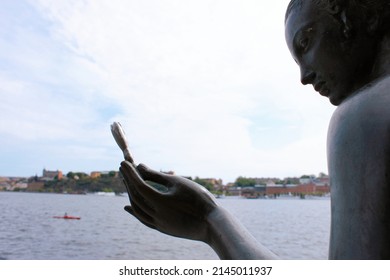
<point x="335" y="42"/>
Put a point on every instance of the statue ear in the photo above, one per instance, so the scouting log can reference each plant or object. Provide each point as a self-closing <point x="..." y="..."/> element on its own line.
<point x="347" y="27"/>
<point x="337" y="8"/>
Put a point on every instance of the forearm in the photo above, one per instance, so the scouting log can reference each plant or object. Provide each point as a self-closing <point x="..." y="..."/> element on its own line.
<point x="231" y="240"/>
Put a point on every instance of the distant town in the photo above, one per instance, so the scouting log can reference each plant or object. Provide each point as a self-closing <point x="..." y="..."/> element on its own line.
<point x="110" y="182"/>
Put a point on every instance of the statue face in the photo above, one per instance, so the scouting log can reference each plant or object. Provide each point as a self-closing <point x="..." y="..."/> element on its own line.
<point x="335" y="66"/>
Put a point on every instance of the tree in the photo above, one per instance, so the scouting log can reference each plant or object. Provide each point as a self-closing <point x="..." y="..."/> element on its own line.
<point x="242" y="182"/>
<point x="205" y="183"/>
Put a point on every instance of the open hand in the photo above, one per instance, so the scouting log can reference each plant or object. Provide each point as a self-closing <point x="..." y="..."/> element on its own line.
<point x="180" y="211"/>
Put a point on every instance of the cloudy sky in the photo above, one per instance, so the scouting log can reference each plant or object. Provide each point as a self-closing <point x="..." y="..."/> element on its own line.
<point x="202" y="87"/>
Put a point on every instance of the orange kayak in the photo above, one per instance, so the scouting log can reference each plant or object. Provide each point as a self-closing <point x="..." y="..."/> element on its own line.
<point x="66" y="217"/>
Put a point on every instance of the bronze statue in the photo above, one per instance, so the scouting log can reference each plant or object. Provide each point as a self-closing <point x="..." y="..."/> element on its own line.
<point x="343" y="49"/>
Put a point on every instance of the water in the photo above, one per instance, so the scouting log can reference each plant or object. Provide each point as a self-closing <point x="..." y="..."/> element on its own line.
<point x="292" y="228"/>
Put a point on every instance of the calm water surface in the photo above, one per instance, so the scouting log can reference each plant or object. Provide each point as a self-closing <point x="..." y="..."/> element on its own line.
<point x="292" y="228"/>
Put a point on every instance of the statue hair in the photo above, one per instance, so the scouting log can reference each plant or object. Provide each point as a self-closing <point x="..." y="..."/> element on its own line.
<point x="360" y="9"/>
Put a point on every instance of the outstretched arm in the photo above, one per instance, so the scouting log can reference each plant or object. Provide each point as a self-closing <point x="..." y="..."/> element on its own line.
<point x="231" y="240"/>
<point x="188" y="210"/>
<point x="185" y="209"/>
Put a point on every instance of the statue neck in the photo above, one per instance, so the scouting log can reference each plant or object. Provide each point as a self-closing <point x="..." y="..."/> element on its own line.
<point x="382" y="62"/>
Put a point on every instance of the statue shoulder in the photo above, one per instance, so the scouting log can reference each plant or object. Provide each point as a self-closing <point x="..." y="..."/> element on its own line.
<point x="361" y="123"/>
<point x="367" y="106"/>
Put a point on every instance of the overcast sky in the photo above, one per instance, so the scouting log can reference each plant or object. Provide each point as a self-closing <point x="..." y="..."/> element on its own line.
<point x="204" y="88"/>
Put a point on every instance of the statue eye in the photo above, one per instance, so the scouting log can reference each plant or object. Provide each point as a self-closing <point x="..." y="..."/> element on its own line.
<point x="302" y="40"/>
<point x="303" y="43"/>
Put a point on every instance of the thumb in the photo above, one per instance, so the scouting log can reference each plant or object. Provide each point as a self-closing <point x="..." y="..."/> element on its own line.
<point x="152" y="175"/>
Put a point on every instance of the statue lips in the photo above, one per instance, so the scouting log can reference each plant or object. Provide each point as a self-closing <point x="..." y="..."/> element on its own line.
<point x="320" y="87"/>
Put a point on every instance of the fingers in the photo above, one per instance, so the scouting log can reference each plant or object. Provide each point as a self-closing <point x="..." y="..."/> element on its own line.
<point x="142" y="217"/>
<point x="140" y="201"/>
<point x="129" y="209"/>
<point x="137" y="199"/>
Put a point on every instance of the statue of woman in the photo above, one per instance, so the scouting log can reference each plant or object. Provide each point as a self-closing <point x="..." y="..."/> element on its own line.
<point x="343" y="49"/>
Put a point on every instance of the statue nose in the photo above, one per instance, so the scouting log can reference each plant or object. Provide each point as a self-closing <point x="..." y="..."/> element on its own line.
<point x="307" y="77"/>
